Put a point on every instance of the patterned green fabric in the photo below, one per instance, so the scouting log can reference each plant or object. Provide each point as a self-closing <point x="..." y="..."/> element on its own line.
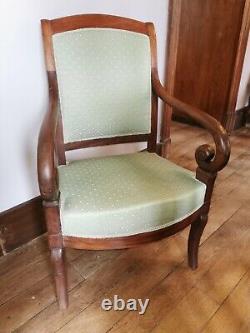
<point x="104" y="80"/>
<point x="125" y="195"/>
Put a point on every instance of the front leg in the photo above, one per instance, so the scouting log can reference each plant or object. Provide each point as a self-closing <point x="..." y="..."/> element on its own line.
<point x="58" y="261"/>
<point x="52" y="218"/>
<point x="195" y="234"/>
<point x="198" y="225"/>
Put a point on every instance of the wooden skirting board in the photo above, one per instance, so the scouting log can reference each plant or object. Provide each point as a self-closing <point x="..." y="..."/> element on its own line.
<point x="20" y="224"/>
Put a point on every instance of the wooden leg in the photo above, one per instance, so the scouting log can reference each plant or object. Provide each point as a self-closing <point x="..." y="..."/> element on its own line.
<point x="195" y="234"/>
<point x="57" y="257"/>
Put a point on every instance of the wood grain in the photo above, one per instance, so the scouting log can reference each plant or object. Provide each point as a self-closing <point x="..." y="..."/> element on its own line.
<point x="234" y="312"/>
<point x="96" y="20"/>
<point x="202" y="38"/>
<point x="21" y="224"/>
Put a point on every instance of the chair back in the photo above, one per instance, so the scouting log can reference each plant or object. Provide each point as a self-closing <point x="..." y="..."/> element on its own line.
<point x="103" y="71"/>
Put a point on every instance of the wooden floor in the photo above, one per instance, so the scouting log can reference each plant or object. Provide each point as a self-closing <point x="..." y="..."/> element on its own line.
<point x="214" y="298"/>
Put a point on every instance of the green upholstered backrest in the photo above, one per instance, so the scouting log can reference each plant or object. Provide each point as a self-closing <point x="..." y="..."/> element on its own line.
<point x="104" y="82"/>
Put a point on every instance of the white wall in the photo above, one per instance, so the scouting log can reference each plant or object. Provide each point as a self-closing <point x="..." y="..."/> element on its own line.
<point x="244" y="89"/>
<point x="23" y="85"/>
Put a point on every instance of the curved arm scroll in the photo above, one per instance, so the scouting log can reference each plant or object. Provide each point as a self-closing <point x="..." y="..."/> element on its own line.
<point x="47" y="171"/>
<point x="207" y="158"/>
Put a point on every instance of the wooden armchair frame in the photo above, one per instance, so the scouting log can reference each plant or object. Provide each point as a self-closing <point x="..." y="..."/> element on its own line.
<point x="51" y="152"/>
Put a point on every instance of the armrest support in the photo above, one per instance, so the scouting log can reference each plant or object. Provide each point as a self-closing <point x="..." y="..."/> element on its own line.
<point x="207" y="158"/>
<point x="47" y="171"/>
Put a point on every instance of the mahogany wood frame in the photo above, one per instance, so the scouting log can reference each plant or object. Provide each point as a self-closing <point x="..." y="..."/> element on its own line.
<point x="51" y="151"/>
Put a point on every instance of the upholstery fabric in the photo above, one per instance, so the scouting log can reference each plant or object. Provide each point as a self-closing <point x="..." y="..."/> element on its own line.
<point x="125" y="195"/>
<point x="104" y="81"/>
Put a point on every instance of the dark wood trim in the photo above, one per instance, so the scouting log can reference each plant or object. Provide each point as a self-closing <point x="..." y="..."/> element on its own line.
<point x="154" y="101"/>
<point x="59" y="147"/>
<point x="20" y="224"/>
<point x="96" y="21"/>
<point x="152" y="140"/>
<point x="48" y="46"/>
<point x="46" y="148"/>
<point x="199" y="224"/>
<point x="106" y="141"/>
<point x="128" y="241"/>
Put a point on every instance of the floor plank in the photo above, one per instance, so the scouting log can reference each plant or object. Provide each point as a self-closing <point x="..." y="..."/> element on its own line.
<point x="189" y="315"/>
<point x="32" y="300"/>
<point x="234" y="312"/>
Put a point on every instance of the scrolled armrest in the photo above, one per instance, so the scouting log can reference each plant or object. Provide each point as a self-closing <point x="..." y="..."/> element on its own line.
<point x="208" y="158"/>
<point x="46" y="167"/>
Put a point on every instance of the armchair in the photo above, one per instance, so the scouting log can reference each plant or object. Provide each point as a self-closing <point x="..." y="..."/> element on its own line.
<point x="104" y="89"/>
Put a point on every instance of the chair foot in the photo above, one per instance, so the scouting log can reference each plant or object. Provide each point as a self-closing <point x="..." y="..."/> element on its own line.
<point x="195" y="234"/>
<point x="57" y="257"/>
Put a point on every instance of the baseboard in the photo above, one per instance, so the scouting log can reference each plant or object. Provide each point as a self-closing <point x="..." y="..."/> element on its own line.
<point x="20" y="224"/>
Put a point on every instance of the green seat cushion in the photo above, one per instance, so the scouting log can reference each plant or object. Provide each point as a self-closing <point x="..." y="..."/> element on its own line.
<point x="104" y="81"/>
<point x="125" y="195"/>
